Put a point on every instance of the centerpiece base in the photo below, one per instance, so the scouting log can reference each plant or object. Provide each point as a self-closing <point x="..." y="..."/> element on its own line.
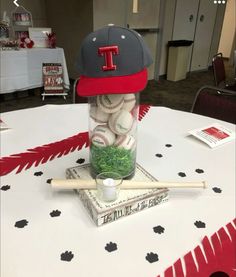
<point x="129" y="201"/>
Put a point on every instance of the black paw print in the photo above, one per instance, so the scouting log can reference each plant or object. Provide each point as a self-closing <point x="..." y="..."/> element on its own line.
<point x="217" y="190"/>
<point x="67" y="256"/>
<point x="200" y="224"/>
<point x="21" y="223"/>
<point x="111" y="246"/>
<point x="219" y="274"/>
<point x="5" y="187"/>
<point x="80" y="161"/>
<point x="152" y="257"/>
<point x="182" y="174"/>
<point x="38" y="173"/>
<point x="198" y="170"/>
<point x="158" y="229"/>
<point x="55" y="213"/>
<point x="159" y="155"/>
<point x="168" y="145"/>
<point x="49" y="181"/>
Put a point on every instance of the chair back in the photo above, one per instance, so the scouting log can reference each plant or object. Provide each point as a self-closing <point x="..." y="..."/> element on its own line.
<point x="217" y="103"/>
<point x="218" y="69"/>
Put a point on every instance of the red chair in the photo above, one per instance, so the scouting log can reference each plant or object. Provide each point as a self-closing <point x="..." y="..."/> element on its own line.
<point x="215" y="102"/>
<point x="219" y="73"/>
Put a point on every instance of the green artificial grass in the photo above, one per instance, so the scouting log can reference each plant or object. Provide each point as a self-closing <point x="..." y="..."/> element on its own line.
<point x="112" y="159"/>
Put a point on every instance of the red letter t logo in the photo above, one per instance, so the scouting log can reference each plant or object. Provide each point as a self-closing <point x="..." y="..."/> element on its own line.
<point x="107" y="52"/>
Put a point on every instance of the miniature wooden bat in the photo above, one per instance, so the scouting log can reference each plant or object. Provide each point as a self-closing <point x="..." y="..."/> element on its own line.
<point x="68" y="184"/>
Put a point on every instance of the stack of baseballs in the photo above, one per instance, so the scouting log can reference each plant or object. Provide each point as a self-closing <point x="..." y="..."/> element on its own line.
<point x="114" y="121"/>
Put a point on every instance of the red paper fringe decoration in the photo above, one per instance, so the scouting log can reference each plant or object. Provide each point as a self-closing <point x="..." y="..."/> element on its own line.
<point x="42" y="154"/>
<point x="143" y="109"/>
<point x="220" y="257"/>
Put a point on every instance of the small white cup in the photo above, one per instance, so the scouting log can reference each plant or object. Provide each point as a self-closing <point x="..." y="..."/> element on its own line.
<point x="108" y="186"/>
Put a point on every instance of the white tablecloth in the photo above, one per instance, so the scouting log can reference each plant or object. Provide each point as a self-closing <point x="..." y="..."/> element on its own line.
<point x="164" y="149"/>
<point x="21" y="70"/>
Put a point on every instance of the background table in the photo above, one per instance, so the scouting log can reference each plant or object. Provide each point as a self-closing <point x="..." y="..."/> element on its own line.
<point x="39" y="225"/>
<point x="21" y="70"/>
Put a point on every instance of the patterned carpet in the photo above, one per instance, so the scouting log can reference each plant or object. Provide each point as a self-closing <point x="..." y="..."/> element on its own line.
<point x="177" y="95"/>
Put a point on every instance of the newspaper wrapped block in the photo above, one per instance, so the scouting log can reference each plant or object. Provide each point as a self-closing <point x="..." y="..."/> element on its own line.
<point x="128" y="203"/>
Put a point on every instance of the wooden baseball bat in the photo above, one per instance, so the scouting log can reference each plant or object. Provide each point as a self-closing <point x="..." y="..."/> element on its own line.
<point x="68" y="184"/>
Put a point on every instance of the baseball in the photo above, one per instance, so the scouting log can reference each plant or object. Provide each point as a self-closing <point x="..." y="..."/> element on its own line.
<point x="129" y="102"/>
<point x="127" y="142"/>
<point x="133" y="129"/>
<point x="110" y="103"/>
<point x="98" y="115"/>
<point x="121" y="122"/>
<point x="102" y="136"/>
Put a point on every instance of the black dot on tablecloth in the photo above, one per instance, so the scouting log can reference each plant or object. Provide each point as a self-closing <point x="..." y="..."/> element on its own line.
<point x="67" y="256"/>
<point x="159" y="155"/>
<point x="55" y="213"/>
<point x="111" y="246"/>
<point x="198" y="170"/>
<point x="38" y="173"/>
<point x="49" y="181"/>
<point x="80" y="161"/>
<point x="4" y="188"/>
<point x="219" y="274"/>
<point x="182" y="174"/>
<point x="217" y="190"/>
<point x="200" y="224"/>
<point x="168" y="145"/>
<point x="151" y="257"/>
<point x="21" y="223"/>
<point x="158" y="229"/>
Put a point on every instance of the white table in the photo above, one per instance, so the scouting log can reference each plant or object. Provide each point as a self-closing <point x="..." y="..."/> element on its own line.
<point x="36" y="249"/>
<point x="21" y="70"/>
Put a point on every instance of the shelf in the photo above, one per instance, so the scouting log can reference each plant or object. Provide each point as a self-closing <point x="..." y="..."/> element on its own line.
<point x="21" y="21"/>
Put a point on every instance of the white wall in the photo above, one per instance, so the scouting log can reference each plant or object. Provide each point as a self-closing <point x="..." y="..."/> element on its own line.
<point x="228" y="29"/>
<point x="166" y="30"/>
<point x="147" y="15"/>
<point x="106" y="12"/>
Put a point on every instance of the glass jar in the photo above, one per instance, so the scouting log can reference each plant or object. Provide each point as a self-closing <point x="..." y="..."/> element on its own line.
<point x="113" y="134"/>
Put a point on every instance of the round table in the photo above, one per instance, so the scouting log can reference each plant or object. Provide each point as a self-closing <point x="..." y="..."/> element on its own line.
<point x="49" y="233"/>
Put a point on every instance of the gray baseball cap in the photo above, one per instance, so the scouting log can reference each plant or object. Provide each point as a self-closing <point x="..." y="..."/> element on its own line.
<point x="113" y="60"/>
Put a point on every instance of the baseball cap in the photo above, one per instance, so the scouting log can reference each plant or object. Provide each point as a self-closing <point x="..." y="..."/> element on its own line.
<point x="113" y="60"/>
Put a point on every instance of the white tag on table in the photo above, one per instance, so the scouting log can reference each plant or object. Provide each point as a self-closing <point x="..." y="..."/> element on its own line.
<point x="214" y="134"/>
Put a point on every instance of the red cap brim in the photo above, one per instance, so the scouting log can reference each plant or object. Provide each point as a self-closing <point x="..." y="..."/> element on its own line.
<point x="88" y="86"/>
